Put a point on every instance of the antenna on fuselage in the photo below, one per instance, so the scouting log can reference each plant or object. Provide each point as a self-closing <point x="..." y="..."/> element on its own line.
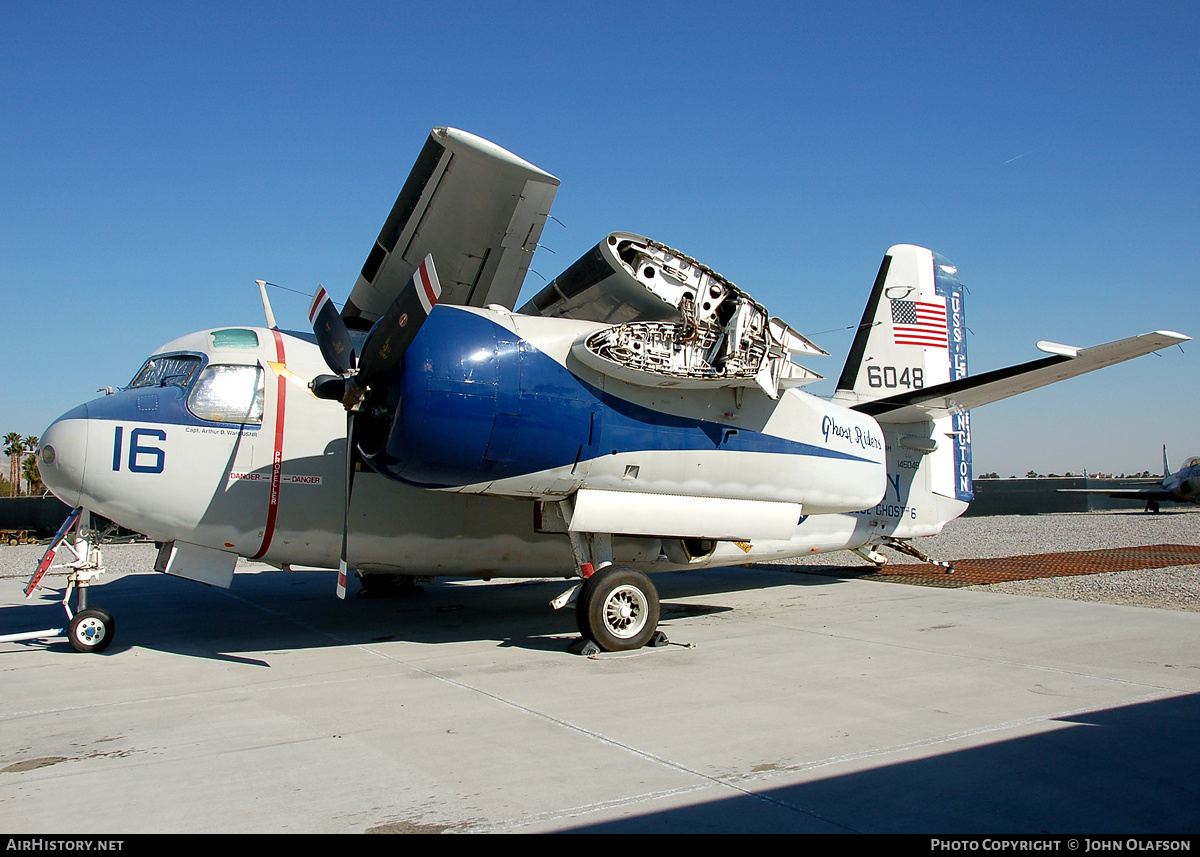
<point x="262" y="290"/>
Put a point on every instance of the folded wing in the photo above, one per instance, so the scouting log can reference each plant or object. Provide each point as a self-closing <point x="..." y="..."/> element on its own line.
<point x="674" y="321"/>
<point x="476" y="208"/>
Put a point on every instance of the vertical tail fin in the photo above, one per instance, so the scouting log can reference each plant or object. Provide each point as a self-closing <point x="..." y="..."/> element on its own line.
<point x="913" y="332"/>
<point x="1166" y="470"/>
<point x="912" y="336"/>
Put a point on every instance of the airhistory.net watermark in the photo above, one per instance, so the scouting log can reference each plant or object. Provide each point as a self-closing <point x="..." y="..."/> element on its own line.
<point x="54" y="843"/>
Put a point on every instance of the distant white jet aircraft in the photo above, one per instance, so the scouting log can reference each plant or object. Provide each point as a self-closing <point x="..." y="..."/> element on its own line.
<point x="1182" y="486"/>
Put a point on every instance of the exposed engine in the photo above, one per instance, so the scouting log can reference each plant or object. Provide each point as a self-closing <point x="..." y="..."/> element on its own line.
<point x="675" y="321"/>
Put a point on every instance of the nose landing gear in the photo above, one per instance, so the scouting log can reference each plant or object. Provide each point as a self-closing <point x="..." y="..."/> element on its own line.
<point x="90" y="629"/>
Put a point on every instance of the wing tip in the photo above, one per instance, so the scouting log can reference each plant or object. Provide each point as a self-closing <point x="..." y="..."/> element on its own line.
<point x="1171" y="334"/>
<point x="466" y="140"/>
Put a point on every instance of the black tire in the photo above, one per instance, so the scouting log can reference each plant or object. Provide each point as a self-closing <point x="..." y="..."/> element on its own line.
<point x="91" y="630"/>
<point x="388" y="585"/>
<point x="618" y="609"/>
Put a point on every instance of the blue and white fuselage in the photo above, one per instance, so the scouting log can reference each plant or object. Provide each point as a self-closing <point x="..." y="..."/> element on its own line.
<point x="490" y="410"/>
<point x="491" y="413"/>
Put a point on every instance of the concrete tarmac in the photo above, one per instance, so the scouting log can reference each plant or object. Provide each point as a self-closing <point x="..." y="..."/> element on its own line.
<point x="786" y="703"/>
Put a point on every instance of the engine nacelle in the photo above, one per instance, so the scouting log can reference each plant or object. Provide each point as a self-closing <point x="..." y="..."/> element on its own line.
<point x="476" y="406"/>
<point x="483" y="408"/>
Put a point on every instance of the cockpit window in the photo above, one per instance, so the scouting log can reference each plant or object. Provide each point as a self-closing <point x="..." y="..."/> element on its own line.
<point x="234" y="337"/>
<point x="229" y="394"/>
<point x="170" y="370"/>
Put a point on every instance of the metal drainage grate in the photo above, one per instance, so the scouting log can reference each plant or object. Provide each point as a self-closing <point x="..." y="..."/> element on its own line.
<point x="972" y="572"/>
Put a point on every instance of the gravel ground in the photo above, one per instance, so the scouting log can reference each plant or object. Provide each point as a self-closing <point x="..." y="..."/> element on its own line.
<point x="1014" y="535"/>
<point x="1176" y="588"/>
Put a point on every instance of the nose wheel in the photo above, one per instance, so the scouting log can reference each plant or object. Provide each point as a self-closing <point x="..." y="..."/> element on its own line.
<point x="91" y="630"/>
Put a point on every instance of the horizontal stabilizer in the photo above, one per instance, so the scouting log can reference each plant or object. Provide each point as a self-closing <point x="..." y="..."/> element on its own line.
<point x="975" y="390"/>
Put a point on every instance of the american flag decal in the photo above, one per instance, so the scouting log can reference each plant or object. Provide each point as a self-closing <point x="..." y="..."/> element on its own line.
<point x="919" y="323"/>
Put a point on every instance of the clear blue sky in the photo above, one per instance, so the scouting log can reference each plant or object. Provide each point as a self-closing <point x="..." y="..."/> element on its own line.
<point x="157" y="158"/>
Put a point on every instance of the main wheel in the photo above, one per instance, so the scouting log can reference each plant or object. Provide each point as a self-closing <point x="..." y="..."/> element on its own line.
<point x="618" y="609"/>
<point x="91" y="630"/>
<point x="388" y="585"/>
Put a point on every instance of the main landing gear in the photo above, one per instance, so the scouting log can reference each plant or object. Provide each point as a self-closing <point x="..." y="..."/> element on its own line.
<point x="388" y="585"/>
<point x="616" y="607"/>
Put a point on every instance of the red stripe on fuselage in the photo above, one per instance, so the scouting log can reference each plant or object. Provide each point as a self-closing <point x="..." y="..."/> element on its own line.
<point x="277" y="455"/>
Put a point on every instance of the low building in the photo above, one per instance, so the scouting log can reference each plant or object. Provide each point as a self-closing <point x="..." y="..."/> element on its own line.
<point x="1041" y="495"/>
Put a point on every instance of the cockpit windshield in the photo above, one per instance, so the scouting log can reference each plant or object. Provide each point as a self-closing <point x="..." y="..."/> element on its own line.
<point x="167" y="370"/>
<point x="229" y="394"/>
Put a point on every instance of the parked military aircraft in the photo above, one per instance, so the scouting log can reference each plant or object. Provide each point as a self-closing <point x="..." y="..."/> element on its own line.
<point x="1182" y="486"/>
<point x="640" y="413"/>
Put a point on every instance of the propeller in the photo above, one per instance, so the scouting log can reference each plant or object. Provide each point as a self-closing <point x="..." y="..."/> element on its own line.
<point x="383" y="350"/>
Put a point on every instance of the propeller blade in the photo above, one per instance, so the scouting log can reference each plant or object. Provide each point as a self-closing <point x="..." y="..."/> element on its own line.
<point x="385" y="345"/>
<point x="332" y="335"/>
<point x="395" y="331"/>
<point x="341" y="578"/>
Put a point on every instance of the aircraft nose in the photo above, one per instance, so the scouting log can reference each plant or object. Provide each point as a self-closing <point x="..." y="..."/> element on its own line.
<point x="61" y="455"/>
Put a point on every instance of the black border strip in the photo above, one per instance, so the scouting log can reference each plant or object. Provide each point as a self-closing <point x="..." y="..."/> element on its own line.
<point x="859" y="347"/>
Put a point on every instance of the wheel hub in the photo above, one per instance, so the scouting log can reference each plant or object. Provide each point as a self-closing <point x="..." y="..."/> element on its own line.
<point x="90" y="631"/>
<point x="625" y="612"/>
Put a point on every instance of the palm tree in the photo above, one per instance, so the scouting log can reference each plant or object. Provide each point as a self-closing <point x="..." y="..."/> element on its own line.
<point x="13" y="447"/>
<point x="33" y="479"/>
